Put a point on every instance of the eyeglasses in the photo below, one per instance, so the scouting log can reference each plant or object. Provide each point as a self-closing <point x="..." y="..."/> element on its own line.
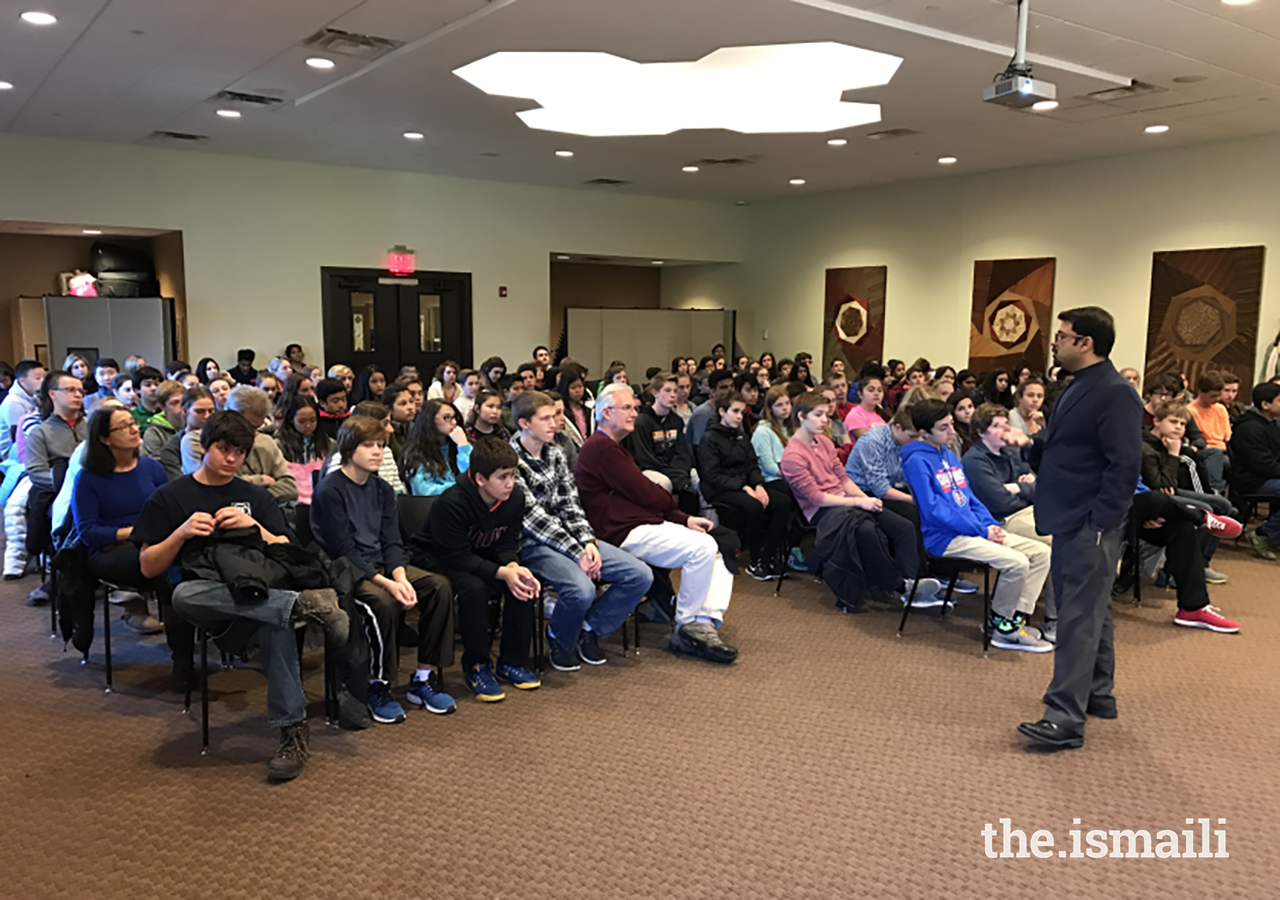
<point x="132" y="426"/>
<point x="1062" y="336"/>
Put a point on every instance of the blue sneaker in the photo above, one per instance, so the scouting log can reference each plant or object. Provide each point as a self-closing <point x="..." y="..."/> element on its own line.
<point x="382" y="706"/>
<point x="425" y="693"/>
<point x="482" y="683"/>
<point x="965" y="587"/>
<point x="517" y="676"/>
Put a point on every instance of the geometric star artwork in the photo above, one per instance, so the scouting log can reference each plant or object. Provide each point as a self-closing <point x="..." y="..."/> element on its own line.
<point x="1204" y="312"/>
<point x="853" y="317"/>
<point x="1012" y="302"/>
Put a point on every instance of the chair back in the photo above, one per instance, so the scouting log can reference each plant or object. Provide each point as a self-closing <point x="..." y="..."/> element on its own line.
<point x="302" y="524"/>
<point x="413" y="513"/>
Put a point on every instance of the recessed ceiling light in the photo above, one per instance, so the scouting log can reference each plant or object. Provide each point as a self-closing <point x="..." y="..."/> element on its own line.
<point x="767" y="89"/>
<point x="1156" y="129"/>
<point x="38" y="18"/>
<point x="1236" y="2"/>
<point x="564" y="153"/>
<point x="947" y="160"/>
<point x="657" y="262"/>
<point x="837" y="142"/>
<point x="688" y="168"/>
<point x="797" y="181"/>
<point x="414" y="135"/>
<point x="561" y="256"/>
<point x="319" y="62"/>
<point x="5" y="86"/>
<point x="92" y="231"/>
<point x="1045" y="105"/>
<point x="229" y="113"/>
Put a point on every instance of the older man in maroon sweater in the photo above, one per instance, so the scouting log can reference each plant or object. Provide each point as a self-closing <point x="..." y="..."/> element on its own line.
<point x="629" y="511"/>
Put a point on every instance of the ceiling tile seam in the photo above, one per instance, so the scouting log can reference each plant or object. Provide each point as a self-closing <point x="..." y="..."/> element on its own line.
<point x="53" y="68"/>
<point x="492" y="7"/>
<point x="1223" y="20"/>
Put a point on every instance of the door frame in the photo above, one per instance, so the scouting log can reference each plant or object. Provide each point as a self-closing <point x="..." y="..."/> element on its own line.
<point x="329" y="273"/>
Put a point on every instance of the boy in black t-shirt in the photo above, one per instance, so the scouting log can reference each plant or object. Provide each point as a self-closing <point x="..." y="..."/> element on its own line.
<point x="196" y="506"/>
<point x="472" y="536"/>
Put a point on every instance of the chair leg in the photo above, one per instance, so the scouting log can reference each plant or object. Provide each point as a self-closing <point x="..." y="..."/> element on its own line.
<point x="906" y="607"/>
<point x="204" y="693"/>
<point x="106" y="636"/>
<point x="635" y="624"/>
<point x="53" y="603"/>
<point x="330" y="690"/>
<point x="947" y="598"/>
<point x="986" y="609"/>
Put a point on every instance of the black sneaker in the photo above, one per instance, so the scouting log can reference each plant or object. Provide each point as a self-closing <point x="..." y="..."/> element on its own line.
<point x="562" y="657"/>
<point x="322" y="606"/>
<point x="353" y="714"/>
<point x="702" y="640"/>
<point x="759" y="570"/>
<point x="291" y="758"/>
<point x="589" y="649"/>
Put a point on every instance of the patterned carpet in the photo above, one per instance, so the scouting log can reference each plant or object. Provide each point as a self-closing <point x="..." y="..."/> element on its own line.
<point x="834" y="760"/>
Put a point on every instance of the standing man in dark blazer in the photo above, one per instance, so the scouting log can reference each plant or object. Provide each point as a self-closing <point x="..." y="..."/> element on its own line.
<point x="1088" y="467"/>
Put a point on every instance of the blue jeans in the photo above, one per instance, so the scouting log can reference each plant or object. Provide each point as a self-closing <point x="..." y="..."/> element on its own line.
<point x="1214" y="462"/>
<point x="1270" y="529"/>
<point x="628" y="580"/>
<point x="207" y="604"/>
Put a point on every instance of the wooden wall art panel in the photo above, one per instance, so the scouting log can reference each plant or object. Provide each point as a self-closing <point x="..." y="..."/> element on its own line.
<point x="1011" y="321"/>
<point x="853" y="317"/>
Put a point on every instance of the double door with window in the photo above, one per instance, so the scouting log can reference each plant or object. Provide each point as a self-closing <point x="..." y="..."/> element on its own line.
<point x="419" y="320"/>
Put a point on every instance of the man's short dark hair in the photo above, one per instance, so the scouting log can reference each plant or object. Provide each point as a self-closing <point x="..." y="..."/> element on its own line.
<point x="355" y="430"/>
<point x="146" y="373"/>
<point x="527" y="405"/>
<point x="1209" y="382"/>
<point x="527" y="367"/>
<point x="107" y="362"/>
<point x="489" y="454"/>
<point x="328" y="387"/>
<point x="174" y="366"/>
<point x="22" y="368"/>
<point x="658" y="379"/>
<point x="1169" y="383"/>
<point x="726" y="400"/>
<point x="1265" y="393"/>
<point x="226" y="426"/>
<point x="927" y="413"/>
<point x="372" y="409"/>
<point x="872" y="369"/>
<point x="1229" y="378"/>
<point x="1094" y="322"/>
<point x="717" y="376"/>
<point x="505" y="382"/>
<point x="246" y="355"/>
<point x="984" y="415"/>
<point x="744" y="381"/>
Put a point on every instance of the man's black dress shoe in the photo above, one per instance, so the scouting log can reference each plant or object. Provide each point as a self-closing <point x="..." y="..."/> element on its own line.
<point x="1052" y="735"/>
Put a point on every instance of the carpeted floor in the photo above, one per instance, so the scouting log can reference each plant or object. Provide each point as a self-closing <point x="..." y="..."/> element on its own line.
<point x="834" y="760"/>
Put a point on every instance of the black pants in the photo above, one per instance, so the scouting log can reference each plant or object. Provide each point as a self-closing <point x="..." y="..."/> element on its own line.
<point x="383" y="614"/>
<point x="121" y="566"/>
<point x="763" y="529"/>
<point x="473" y="596"/>
<point x="903" y="545"/>
<point x="1184" y="556"/>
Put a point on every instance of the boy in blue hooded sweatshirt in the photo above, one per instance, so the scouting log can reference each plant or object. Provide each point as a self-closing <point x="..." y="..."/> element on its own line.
<point x="955" y="523"/>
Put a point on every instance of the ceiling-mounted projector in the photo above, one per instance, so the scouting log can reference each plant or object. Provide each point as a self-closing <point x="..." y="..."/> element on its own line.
<point x="1014" y="86"/>
<point x="1019" y="91"/>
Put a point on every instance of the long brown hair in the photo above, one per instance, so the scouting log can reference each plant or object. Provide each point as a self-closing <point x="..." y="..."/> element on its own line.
<point x="783" y="429"/>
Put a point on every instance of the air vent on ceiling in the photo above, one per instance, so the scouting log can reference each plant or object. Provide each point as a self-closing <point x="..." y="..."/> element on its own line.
<point x="890" y="134"/>
<point x="607" y="182"/>
<point x="347" y="43"/>
<point x="731" y="161"/>
<point x="1137" y="89"/>
<point x="179" y="136"/>
<point x="234" y="99"/>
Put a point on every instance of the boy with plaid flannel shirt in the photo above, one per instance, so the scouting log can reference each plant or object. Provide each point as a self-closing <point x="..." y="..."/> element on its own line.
<point x="560" y="547"/>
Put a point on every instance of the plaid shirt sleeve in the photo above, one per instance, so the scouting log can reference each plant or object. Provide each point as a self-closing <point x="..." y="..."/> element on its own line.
<point x="553" y="516"/>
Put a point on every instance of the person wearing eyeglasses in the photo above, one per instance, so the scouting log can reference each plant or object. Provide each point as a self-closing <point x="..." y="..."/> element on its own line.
<point x="1087" y="465"/>
<point x="61" y="429"/>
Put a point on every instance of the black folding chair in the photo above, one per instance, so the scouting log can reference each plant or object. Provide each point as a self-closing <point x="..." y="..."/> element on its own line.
<point x="954" y="563"/>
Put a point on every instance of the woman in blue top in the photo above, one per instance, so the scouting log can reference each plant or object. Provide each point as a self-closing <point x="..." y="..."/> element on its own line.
<point x="436" y="451"/>
<point x="110" y="491"/>
<point x="772" y="433"/>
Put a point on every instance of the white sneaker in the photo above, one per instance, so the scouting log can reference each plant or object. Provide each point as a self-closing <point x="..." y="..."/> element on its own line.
<point x="1018" y="640"/>
<point x="929" y="594"/>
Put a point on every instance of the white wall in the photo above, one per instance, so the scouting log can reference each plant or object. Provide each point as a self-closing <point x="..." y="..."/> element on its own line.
<point x="256" y="233"/>
<point x="1101" y="219"/>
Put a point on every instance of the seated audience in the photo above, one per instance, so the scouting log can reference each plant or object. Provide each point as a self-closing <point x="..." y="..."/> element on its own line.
<point x="354" y="516"/>
<point x="769" y="439"/>
<point x="1026" y="415"/>
<point x="1210" y="459"/>
<point x="390" y="468"/>
<point x="61" y="429"/>
<point x="730" y="476"/>
<point x="332" y="399"/>
<point x="104" y="370"/>
<point x="468" y="387"/>
<point x="403" y="409"/>
<point x="560" y="548"/>
<point x="512" y="387"/>
<point x="996" y="389"/>
<point x="264" y="464"/>
<point x="244" y="372"/>
<point x="220" y="387"/>
<point x="445" y="386"/>
<point x="1255" y="452"/>
<point x="164" y="425"/>
<point x="719" y="384"/>
<point x="146" y="385"/>
<point x="491" y="372"/>
<point x="1230" y="391"/>
<point x="206" y="370"/>
<point x="192" y="509"/>
<point x="1134" y="377"/>
<point x="472" y="537"/>
<point x="631" y="512"/>
<point x="19" y="402"/>
<point x="562" y="440"/>
<point x="956" y="524"/>
<point x="836" y="431"/>
<point x="684" y="387"/>
<point x="108" y="495"/>
<point x="1210" y="415"/>
<point x="962" y="409"/>
<point x="966" y="383"/>
<point x="436" y="451"/>
<point x="486" y="418"/>
<point x="302" y="444"/>
<point x="916" y="377"/>
<point x="197" y="405"/>
<point x="868" y="413"/>
<point x="657" y="443"/>
<point x="370" y="384"/>
<point x="133" y="363"/>
<point x="268" y="384"/>
<point x="865" y="548"/>
<point x="577" y="413"/>
<point x="343" y="374"/>
<point x="875" y="465"/>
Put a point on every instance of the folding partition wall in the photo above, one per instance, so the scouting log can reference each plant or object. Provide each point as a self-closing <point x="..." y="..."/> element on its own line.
<point x="110" y="326"/>
<point x="642" y="338"/>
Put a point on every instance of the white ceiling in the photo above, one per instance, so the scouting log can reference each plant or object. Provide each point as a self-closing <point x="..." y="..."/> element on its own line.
<point x="92" y="77"/>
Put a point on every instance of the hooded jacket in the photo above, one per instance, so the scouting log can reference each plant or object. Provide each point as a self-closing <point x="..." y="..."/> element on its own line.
<point x="948" y="508"/>
<point x="464" y="535"/>
<point x="726" y="462"/>
<point x="658" y="443"/>
<point x="1255" y="451"/>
